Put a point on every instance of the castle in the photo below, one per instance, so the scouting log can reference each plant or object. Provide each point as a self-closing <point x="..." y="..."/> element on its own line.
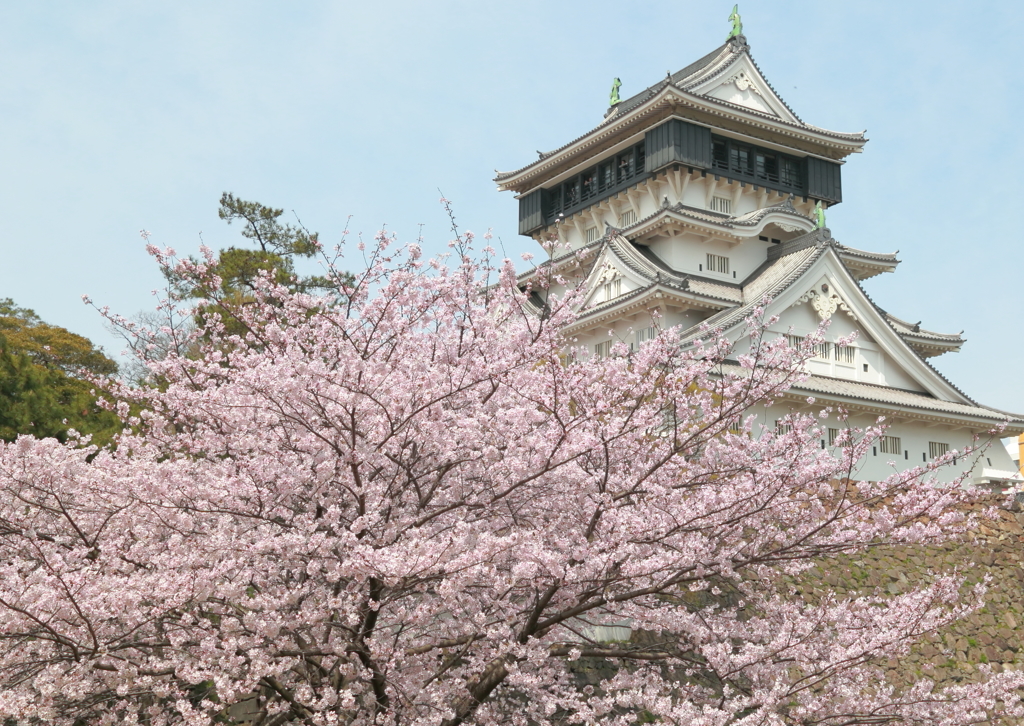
<point x="704" y="194"/>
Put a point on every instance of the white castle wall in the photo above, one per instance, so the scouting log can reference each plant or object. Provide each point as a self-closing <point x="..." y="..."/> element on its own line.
<point x="914" y="441"/>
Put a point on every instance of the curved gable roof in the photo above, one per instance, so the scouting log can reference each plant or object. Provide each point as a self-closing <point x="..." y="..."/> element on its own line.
<point x="687" y="88"/>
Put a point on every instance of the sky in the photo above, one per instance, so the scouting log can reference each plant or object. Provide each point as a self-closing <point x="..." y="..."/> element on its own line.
<point x="122" y="116"/>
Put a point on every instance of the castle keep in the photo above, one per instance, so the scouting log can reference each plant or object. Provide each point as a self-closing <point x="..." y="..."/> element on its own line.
<point x="705" y="193"/>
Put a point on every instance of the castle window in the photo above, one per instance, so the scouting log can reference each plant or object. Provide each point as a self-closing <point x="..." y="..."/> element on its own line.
<point x="626" y="165"/>
<point x="718" y="263"/>
<point x="741" y="159"/>
<point x="843" y="353"/>
<point x="571" y="192"/>
<point x="937" y="449"/>
<point x="790" y="175"/>
<point x="766" y="166"/>
<point x="890" y="445"/>
<point x="833" y="434"/>
<point x="599" y="181"/>
<point x="627" y="218"/>
<point x="756" y="164"/>
<point x="721" y="204"/>
<point x="645" y="334"/>
<point x="720" y="154"/>
<point x="604" y="349"/>
<point x="610" y="290"/>
<point x="592" y="235"/>
<point x="589" y="183"/>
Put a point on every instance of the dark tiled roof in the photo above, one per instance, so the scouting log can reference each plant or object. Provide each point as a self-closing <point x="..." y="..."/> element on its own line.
<point x="735" y="47"/>
<point x="633" y="101"/>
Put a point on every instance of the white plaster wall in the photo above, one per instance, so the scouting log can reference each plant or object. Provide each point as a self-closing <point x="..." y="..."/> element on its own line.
<point x="881" y="369"/>
<point x="914" y="439"/>
<point x="688" y="253"/>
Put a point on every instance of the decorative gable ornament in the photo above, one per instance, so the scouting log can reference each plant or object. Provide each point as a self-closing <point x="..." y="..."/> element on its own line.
<point x="738" y="81"/>
<point x="743" y="82"/>
<point x="608" y="273"/>
<point x="825" y="305"/>
<point x="742" y="91"/>
<point x="825" y="302"/>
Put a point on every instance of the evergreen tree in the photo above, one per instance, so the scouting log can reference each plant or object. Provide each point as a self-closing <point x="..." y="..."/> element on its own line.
<point x="277" y="247"/>
<point x="43" y="389"/>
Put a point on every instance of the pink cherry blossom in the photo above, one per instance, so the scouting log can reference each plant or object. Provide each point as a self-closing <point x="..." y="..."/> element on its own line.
<point x="414" y="502"/>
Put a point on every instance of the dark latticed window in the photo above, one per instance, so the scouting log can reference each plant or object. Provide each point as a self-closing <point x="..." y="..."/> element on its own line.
<point x="596" y="182"/>
<point x="756" y="164"/>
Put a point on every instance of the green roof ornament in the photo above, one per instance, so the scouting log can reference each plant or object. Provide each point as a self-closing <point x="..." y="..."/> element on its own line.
<point x="819" y="215"/>
<point x="737" y="24"/>
<point x="614" y="98"/>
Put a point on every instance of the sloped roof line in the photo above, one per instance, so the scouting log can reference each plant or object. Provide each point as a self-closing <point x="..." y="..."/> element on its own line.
<point x="830" y="242"/>
<point x="559" y="261"/>
<point x="885" y="317"/>
<point x="731" y="317"/>
<point x="740" y="47"/>
<point x="653" y="91"/>
<point x="735" y="47"/>
<point x="610" y="305"/>
<point x="825" y="241"/>
<point x="649" y="266"/>
<point x="734" y="315"/>
<point x="889" y="396"/>
<point x="673" y="79"/>
<point x="750" y="219"/>
<point x="866" y="254"/>
<point x="897" y="396"/>
<point x="916" y="330"/>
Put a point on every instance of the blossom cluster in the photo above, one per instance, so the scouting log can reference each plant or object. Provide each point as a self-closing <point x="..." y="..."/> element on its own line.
<point x="414" y="502"/>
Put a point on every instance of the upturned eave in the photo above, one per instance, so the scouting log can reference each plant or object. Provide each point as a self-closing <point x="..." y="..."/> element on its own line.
<point x="670" y="99"/>
<point x="722" y="226"/>
<point x="653" y="296"/>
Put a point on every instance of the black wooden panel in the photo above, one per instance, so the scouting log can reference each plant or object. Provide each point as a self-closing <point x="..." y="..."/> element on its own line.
<point x="824" y="180"/>
<point x="677" y="142"/>
<point x="531" y="211"/>
<point x="695" y="145"/>
<point x="659" y="146"/>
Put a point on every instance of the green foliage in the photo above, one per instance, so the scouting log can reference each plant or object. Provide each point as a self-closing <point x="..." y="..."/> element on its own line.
<point x="50" y="346"/>
<point x="42" y="390"/>
<point x="278" y="245"/>
<point x="41" y="399"/>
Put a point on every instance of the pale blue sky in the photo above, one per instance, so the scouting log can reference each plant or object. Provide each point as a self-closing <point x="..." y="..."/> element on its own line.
<point x="118" y="116"/>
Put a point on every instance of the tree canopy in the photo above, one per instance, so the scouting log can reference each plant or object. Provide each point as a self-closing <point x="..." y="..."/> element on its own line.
<point x="42" y="388"/>
<point x="277" y="247"/>
<point x="50" y="345"/>
<point x="413" y="502"/>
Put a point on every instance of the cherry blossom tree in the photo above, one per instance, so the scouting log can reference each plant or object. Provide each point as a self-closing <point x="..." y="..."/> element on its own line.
<point x="414" y="502"/>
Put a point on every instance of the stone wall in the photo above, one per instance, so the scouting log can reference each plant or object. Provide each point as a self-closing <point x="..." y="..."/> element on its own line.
<point x="993" y="635"/>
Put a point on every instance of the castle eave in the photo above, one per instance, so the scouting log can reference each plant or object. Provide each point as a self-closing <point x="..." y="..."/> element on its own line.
<point x="669" y="98"/>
